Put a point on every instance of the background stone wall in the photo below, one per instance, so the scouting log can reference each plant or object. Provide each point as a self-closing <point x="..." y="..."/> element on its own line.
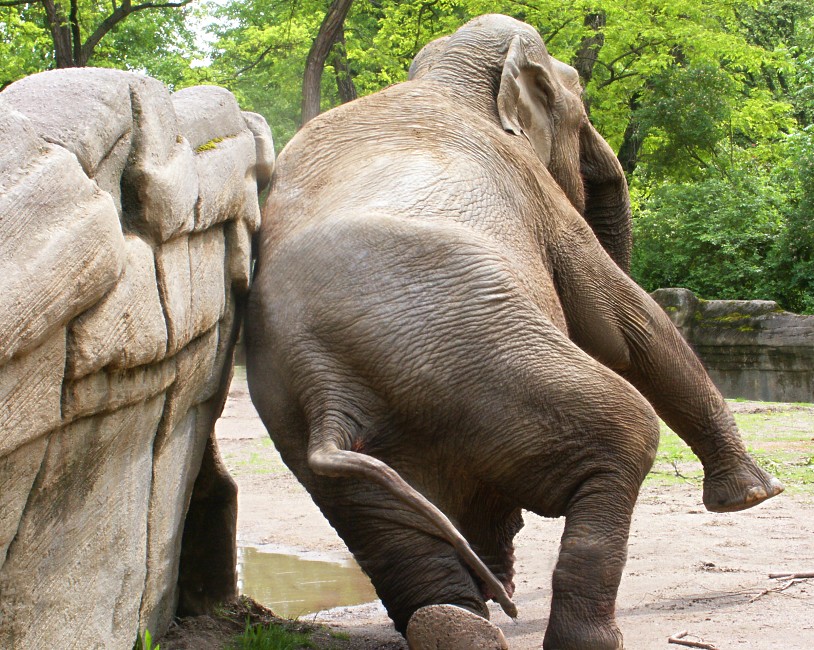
<point x="751" y="348"/>
<point x="126" y="216"/>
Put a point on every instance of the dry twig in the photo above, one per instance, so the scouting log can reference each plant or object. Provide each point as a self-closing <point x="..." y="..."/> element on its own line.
<point x="792" y="576"/>
<point x="775" y="590"/>
<point x="679" y="639"/>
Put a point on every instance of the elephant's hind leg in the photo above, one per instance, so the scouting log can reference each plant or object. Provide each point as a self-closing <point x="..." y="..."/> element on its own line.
<point x="410" y="566"/>
<point x="326" y="457"/>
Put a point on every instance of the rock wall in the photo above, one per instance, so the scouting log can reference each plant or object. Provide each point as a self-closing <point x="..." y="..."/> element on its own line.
<point x="751" y="348"/>
<point x="126" y="217"/>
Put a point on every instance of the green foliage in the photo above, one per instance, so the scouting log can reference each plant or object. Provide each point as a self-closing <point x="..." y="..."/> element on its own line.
<point x="145" y="642"/>
<point x="158" y="42"/>
<point x="684" y="117"/>
<point x="712" y="236"/>
<point x="270" y="637"/>
<point x="792" y="261"/>
<point x="710" y="104"/>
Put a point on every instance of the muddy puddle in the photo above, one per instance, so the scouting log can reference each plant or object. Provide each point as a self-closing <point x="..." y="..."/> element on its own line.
<point x="294" y="586"/>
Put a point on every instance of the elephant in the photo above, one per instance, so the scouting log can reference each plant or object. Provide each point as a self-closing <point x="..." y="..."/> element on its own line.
<point x="441" y="332"/>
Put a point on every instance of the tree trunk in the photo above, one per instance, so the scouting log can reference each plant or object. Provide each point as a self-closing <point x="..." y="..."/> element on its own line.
<point x="631" y="141"/>
<point x="329" y="33"/>
<point x="588" y="51"/>
<point x="60" y="33"/>
<point x="344" y="82"/>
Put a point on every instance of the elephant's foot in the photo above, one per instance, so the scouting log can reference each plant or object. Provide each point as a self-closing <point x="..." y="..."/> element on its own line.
<point x="449" y="627"/>
<point x="739" y="488"/>
<point x="582" y="635"/>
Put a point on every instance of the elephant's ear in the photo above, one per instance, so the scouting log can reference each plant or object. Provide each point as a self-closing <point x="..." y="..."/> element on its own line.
<point x="527" y="94"/>
<point x="607" y="201"/>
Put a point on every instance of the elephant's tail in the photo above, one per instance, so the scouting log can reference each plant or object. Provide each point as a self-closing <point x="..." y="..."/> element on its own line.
<point x="328" y="459"/>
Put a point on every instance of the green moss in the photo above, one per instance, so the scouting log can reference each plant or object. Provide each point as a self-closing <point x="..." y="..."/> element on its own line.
<point x="730" y="318"/>
<point x="670" y="309"/>
<point x="208" y="146"/>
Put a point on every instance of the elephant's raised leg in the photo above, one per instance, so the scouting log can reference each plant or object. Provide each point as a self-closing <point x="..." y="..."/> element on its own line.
<point x="617" y="322"/>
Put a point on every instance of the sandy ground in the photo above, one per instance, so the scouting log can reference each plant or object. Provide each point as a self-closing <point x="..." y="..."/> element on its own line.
<point x="688" y="570"/>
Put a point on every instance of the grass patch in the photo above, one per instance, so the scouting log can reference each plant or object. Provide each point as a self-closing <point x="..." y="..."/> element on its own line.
<point x="145" y="642"/>
<point x="257" y="457"/>
<point x="778" y="437"/>
<point x="271" y="637"/>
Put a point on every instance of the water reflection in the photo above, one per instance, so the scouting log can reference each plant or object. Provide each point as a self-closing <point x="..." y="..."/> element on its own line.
<point x="292" y="586"/>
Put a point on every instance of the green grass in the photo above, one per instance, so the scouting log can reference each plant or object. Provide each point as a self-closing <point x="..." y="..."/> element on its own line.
<point x="779" y="439"/>
<point x="260" y="459"/>
<point x="145" y="642"/>
<point x="270" y="637"/>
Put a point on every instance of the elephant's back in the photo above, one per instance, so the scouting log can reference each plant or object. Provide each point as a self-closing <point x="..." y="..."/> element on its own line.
<point x="414" y="155"/>
<point x="405" y="150"/>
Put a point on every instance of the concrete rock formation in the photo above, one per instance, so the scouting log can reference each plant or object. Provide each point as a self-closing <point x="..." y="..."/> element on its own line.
<point x="751" y="348"/>
<point x="126" y="217"/>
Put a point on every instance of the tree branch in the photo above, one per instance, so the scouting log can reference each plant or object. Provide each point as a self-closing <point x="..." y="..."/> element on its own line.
<point x="329" y="32"/>
<point x="60" y="34"/>
<point x="255" y="63"/>
<point x="76" y="34"/>
<point x="118" y="15"/>
<point x="14" y="3"/>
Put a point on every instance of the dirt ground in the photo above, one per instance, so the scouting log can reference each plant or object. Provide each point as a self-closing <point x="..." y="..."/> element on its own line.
<point x="688" y="570"/>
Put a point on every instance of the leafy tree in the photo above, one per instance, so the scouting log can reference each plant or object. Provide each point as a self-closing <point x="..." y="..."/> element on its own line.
<point x="149" y="36"/>
<point x="792" y="260"/>
<point x="712" y="236"/>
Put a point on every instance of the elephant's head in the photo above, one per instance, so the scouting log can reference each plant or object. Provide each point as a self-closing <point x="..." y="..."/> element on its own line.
<point x="503" y="68"/>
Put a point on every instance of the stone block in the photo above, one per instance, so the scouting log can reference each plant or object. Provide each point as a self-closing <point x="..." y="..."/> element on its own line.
<point x="18" y="471"/>
<point x="195" y="365"/>
<point x="20" y="141"/>
<point x="175" y="289"/>
<point x="85" y="110"/>
<point x="111" y="390"/>
<point x="126" y="328"/>
<point x="30" y="393"/>
<point x="227" y="186"/>
<point x="175" y="467"/>
<point x="208" y="566"/>
<point x="74" y="574"/>
<point x="61" y="246"/>
<point x="207" y="259"/>
<point x="109" y="172"/>
<point x="750" y="348"/>
<point x="207" y="113"/>
<point x="159" y="185"/>
<point x="264" y="149"/>
<point x="223" y="365"/>
<point x="191" y="284"/>
<point x="238" y="255"/>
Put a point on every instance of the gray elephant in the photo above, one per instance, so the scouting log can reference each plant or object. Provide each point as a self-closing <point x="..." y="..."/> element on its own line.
<point x="441" y="333"/>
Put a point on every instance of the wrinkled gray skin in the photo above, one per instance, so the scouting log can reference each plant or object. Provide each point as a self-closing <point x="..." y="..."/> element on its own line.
<point x="433" y="304"/>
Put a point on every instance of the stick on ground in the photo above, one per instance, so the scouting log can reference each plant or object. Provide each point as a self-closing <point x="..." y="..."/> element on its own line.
<point x="679" y="639"/>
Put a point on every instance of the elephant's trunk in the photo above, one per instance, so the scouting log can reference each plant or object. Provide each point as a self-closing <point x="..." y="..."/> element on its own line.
<point x="607" y="202"/>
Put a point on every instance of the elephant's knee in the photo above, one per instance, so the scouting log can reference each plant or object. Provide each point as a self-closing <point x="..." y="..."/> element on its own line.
<point x="635" y="426"/>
